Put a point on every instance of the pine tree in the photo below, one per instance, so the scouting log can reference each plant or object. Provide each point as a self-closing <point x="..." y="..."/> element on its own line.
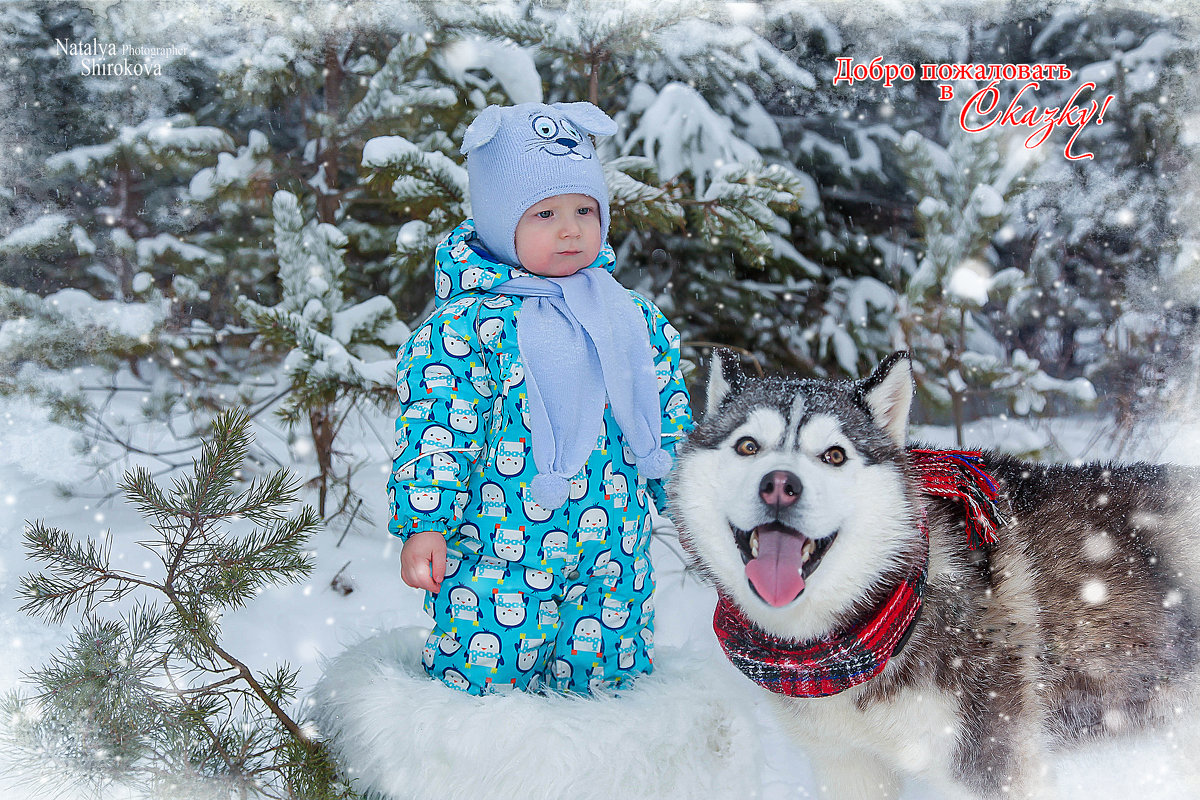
<point x="1106" y="238"/>
<point x="698" y="186"/>
<point x="339" y="351"/>
<point x="966" y="188"/>
<point x="145" y="695"/>
<point x="46" y="108"/>
<point x="1088" y="252"/>
<point x="47" y="338"/>
<point x="109" y="218"/>
<point x="757" y="203"/>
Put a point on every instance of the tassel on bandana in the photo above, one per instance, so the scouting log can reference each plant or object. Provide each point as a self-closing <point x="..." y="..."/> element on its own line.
<point x="859" y="652"/>
<point x="960" y="475"/>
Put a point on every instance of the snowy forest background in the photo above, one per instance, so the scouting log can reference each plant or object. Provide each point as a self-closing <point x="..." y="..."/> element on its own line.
<point x="253" y="229"/>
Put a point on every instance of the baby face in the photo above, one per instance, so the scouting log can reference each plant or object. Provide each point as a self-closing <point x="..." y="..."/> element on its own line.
<point x="559" y="236"/>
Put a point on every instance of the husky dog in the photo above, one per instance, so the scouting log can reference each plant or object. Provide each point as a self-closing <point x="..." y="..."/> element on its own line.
<point x="1072" y="617"/>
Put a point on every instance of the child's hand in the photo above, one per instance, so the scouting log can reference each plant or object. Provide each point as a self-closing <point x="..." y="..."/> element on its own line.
<point x="423" y="561"/>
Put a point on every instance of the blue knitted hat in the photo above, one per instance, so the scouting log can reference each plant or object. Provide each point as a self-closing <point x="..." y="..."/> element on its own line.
<point x="520" y="155"/>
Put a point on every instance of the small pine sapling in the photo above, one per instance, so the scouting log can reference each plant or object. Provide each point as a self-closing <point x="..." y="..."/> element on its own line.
<point x="146" y="696"/>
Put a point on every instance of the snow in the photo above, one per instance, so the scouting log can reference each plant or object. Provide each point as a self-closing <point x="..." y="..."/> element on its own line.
<point x="304" y="623"/>
<point x="153" y="248"/>
<point x="77" y="307"/>
<point x="153" y="137"/>
<point x="744" y="13"/>
<point x="706" y="128"/>
<point x="970" y="282"/>
<point x="232" y="170"/>
<point x="742" y="49"/>
<point x="783" y="249"/>
<point x="42" y="231"/>
<point x="987" y="201"/>
<point x="869" y="160"/>
<point x="868" y="292"/>
<point x="411" y="233"/>
<point x="270" y="58"/>
<point x="682" y="133"/>
<point x="758" y="127"/>
<point x="1190" y="124"/>
<point x="83" y="243"/>
<point x="1053" y="27"/>
<point x="34" y="451"/>
<point x="512" y="66"/>
<point x="363" y="315"/>
<point x="930" y="207"/>
<point x="327" y="357"/>
<point x="1093" y="592"/>
<point x="388" y="151"/>
<point x="382" y="151"/>
<point x="79" y="158"/>
<point x="844" y="348"/>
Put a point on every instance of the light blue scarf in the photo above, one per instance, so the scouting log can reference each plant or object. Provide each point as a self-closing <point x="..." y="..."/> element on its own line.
<point x="583" y="340"/>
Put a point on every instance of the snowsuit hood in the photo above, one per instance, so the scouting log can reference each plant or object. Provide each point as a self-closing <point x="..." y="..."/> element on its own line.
<point x="463" y="265"/>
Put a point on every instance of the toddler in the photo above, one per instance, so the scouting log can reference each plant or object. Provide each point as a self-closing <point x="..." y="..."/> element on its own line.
<point x="540" y="403"/>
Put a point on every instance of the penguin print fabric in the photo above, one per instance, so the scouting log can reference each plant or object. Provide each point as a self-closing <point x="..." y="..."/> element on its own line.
<point x="532" y="598"/>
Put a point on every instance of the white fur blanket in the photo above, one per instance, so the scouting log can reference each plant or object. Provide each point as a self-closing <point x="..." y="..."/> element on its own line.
<point x="402" y="735"/>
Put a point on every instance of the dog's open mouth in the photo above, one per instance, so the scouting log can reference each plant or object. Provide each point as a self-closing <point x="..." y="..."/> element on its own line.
<point x="778" y="559"/>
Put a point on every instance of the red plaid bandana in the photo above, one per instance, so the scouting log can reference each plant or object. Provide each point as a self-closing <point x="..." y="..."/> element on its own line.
<point x="961" y="475"/>
<point x="860" y="652"/>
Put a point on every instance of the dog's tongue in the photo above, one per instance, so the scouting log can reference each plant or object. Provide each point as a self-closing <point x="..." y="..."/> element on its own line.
<point x="776" y="573"/>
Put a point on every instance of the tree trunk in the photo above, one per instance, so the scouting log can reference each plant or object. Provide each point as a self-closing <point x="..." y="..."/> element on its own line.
<point x="327" y="202"/>
<point x="958" y="398"/>
<point x="594" y="80"/>
<point x="321" y="423"/>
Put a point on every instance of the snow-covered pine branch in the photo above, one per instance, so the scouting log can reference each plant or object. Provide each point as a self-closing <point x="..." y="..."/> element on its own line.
<point x="148" y="698"/>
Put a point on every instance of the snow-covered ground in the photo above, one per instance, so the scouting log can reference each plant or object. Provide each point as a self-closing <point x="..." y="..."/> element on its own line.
<point x="301" y="624"/>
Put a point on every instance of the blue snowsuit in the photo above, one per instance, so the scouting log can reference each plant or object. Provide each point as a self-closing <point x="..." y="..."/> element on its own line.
<point x="532" y="598"/>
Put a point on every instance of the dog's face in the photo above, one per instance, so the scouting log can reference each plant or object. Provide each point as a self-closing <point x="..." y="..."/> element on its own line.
<point x="790" y="496"/>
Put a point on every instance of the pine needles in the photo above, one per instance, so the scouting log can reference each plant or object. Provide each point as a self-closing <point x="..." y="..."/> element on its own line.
<point x="148" y="697"/>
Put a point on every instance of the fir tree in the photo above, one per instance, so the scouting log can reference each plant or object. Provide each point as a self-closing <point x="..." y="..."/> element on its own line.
<point x="148" y="697"/>
<point x="698" y="189"/>
<point x="966" y="188"/>
<point x="48" y="337"/>
<point x="1106" y="238"/>
<point x="339" y="352"/>
<point x="46" y="108"/>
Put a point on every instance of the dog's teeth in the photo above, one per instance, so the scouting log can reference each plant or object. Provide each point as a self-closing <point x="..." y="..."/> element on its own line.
<point x="809" y="547"/>
<point x="754" y="544"/>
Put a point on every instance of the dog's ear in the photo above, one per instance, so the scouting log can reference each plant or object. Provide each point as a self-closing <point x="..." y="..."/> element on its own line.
<point x="887" y="395"/>
<point x="721" y="371"/>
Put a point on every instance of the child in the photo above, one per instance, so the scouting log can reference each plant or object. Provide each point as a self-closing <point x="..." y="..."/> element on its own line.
<point x="540" y="403"/>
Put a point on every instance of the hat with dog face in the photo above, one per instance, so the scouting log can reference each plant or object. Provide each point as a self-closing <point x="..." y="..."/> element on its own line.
<point x="520" y="155"/>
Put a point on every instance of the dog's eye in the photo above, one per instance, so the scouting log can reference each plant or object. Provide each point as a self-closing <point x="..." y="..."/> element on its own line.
<point x="746" y="446"/>
<point x="834" y="456"/>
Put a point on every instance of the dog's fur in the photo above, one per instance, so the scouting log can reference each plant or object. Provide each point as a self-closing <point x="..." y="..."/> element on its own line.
<point x="1080" y="622"/>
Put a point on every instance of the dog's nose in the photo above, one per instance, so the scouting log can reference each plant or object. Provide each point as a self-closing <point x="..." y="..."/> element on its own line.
<point x="779" y="488"/>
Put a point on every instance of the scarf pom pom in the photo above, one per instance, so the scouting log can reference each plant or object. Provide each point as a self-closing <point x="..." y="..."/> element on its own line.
<point x="655" y="465"/>
<point x="549" y="491"/>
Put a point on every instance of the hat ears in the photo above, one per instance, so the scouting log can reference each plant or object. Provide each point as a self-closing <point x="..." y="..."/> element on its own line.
<point x="587" y="118"/>
<point x="584" y="116"/>
<point x="482" y="129"/>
